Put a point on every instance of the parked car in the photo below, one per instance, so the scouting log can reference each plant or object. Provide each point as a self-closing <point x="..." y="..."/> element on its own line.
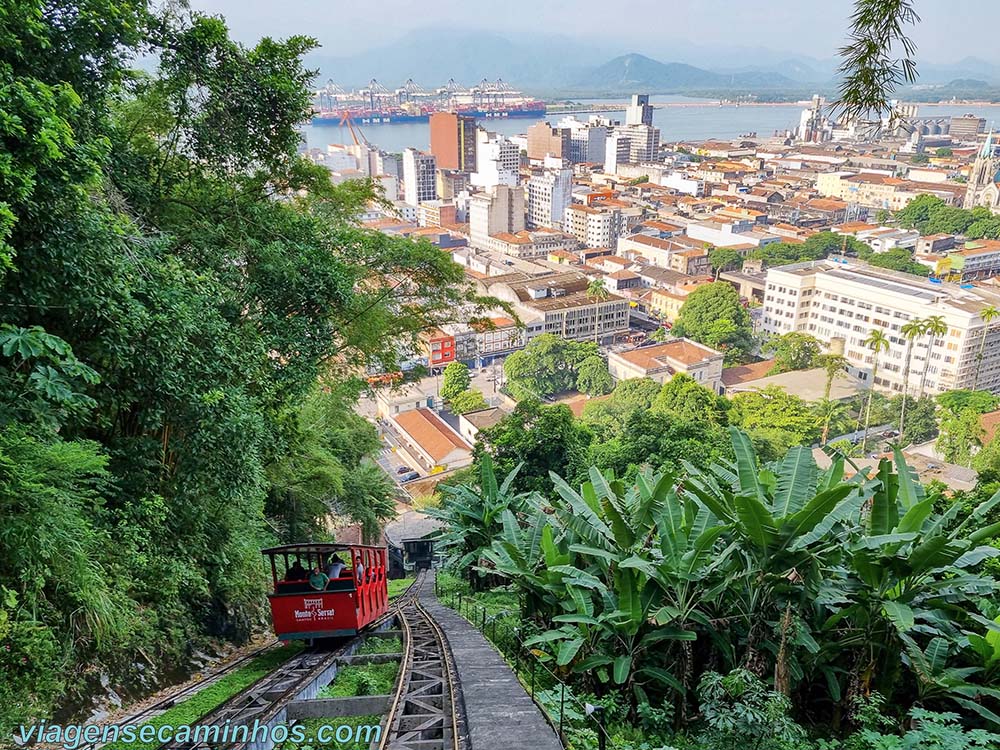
<point x="409" y="476"/>
<point x="404" y="470"/>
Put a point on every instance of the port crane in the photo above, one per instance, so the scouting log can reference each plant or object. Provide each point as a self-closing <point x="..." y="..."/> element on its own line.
<point x="356" y="135"/>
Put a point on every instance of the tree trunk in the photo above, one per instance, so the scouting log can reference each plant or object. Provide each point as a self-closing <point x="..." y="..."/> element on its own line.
<point x="868" y="410"/>
<point x="906" y="388"/>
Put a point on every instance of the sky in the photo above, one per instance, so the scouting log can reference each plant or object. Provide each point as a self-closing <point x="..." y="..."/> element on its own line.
<point x="949" y="31"/>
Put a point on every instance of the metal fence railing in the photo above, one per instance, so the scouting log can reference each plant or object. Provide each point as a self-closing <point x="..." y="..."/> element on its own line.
<point x="542" y="684"/>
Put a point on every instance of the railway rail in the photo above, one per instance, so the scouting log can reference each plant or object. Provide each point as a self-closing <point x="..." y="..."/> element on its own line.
<point x="425" y="713"/>
<point x="164" y="704"/>
<point x="266" y="698"/>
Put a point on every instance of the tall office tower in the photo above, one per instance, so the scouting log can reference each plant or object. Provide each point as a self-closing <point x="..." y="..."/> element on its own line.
<point x="419" y="177"/>
<point x="453" y="141"/>
<point x="498" y="161"/>
<point x="644" y="143"/>
<point x="549" y="194"/>
<point x="639" y="111"/>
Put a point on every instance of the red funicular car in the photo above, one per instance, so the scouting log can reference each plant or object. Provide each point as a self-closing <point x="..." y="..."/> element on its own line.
<point x="326" y="590"/>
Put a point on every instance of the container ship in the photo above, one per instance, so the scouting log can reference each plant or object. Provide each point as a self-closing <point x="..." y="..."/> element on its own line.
<point x="378" y="105"/>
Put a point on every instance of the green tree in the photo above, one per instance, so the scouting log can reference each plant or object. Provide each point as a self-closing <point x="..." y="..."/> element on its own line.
<point x="898" y="259"/>
<point x="934" y="328"/>
<point x="712" y="315"/>
<point x="547" y="365"/>
<point x="593" y="377"/>
<point x="920" y="158"/>
<point x="724" y="259"/>
<point x="538" y="438"/>
<point x="466" y="401"/>
<point x="455" y="380"/>
<point x="833" y="365"/>
<point x="597" y="290"/>
<point x="988" y="314"/>
<point x="474" y="517"/>
<point x="943" y="152"/>
<point x="686" y="399"/>
<point x="793" y="351"/>
<point x="956" y="401"/>
<point x="911" y="330"/>
<point x="609" y="417"/>
<point x="775" y="416"/>
<point x="878" y="342"/>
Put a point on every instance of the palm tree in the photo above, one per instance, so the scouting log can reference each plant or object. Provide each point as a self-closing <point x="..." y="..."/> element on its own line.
<point x="912" y="329"/>
<point x="597" y="291"/>
<point x="833" y="364"/>
<point x="878" y="342"/>
<point x="987" y="314"/>
<point x="934" y="326"/>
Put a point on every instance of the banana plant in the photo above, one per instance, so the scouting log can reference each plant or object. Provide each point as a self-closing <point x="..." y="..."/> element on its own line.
<point x="473" y="517"/>
<point x="786" y="519"/>
<point x="913" y="578"/>
<point x="526" y="554"/>
<point x="611" y="589"/>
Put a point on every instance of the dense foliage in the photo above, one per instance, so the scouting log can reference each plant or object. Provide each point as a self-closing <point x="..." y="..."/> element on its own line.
<point x="550" y="364"/>
<point x="713" y="315"/>
<point x="750" y="601"/>
<point x="184" y="302"/>
<point x="930" y="215"/>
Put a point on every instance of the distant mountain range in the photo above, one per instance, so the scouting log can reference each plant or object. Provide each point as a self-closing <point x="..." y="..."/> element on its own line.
<point x="638" y="72"/>
<point x="551" y="64"/>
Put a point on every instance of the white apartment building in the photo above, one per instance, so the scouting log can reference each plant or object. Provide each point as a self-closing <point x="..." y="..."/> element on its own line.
<point x="840" y="304"/>
<point x="419" y="177"/>
<point x="587" y="140"/>
<point x="498" y="211"/>
<point x="723" y="233"/>
<point x="549" y="195"/>
<point x="498" y="161"/>
<point x="616" y="151"/>
<point x="593" y="227"/>
<point x="684" y="183"/>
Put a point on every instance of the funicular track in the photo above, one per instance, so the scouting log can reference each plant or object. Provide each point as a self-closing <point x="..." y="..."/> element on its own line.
<point x="425" y="713"/>
<point x="266" y="698"/>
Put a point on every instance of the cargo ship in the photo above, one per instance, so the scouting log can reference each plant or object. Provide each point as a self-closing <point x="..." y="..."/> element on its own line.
<point x="377" y="105"/>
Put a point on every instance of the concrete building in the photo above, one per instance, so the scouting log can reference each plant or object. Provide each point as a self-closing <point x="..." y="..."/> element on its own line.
<point x="840" y="304"/>
<point x="644" y="143"/>
<point x="499" y="210"/>
<point x="430" y="442"/>
<point x="639" y="111"/>
<point x="721" y="232"/>
<point x="617" y="150"/>
<point x="544" y="140"/>
<point x="966" y="127"/>
<point x="549" y="195"/>
<point x="882" y="191"/>
<point x="663" y="361"/>
<point x="498" y="161"/>
<point x="470" y="423"/>
<point x="559" y="303"/>
<point x="586" y="139"/>
<point x="594" y="227"/>
<point x="437" y="213"/>
<point x="453" y="141"/>
<point x="419" y="177"/>
<point x="533" y="243"/>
